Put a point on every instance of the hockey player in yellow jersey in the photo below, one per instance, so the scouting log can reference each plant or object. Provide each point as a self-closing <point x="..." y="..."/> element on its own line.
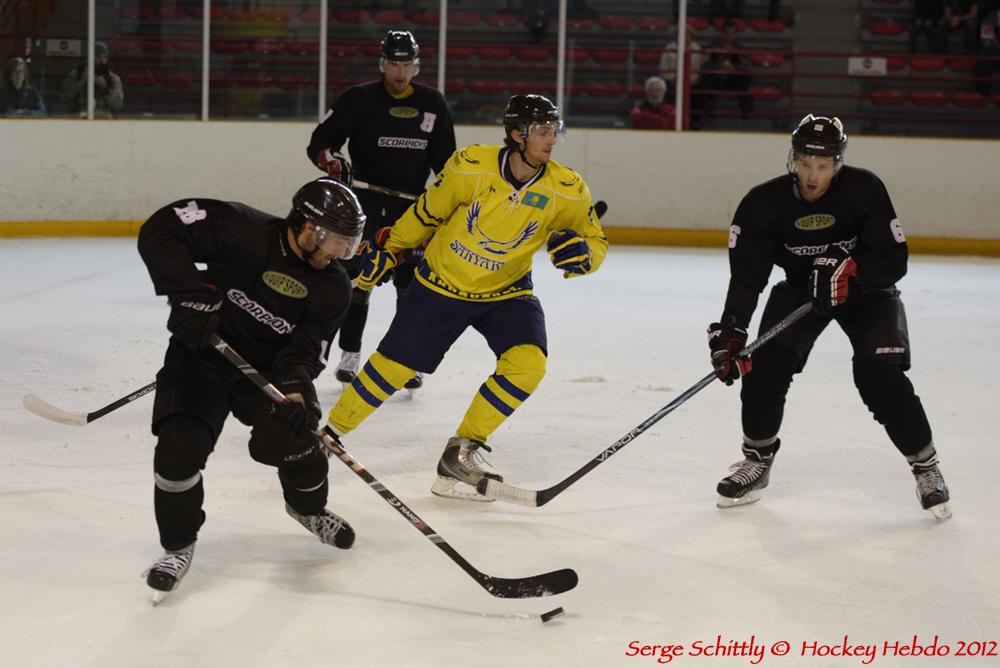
<point x="490" y="209"/>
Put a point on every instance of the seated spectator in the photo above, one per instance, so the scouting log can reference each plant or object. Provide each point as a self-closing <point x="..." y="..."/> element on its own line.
<point x="108" y="92"/>
<point x="928" y="21"/>
<point x="989" y="46"/>
<point x="964" y="15"/>
<point x="17" y="96"/>
<point x="668" y="61"/>
<point x="728" y="70"/>
<point x="653" y="112"/>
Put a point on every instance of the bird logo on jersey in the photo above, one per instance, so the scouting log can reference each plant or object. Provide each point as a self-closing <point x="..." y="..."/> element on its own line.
<point x="495" y="246"/>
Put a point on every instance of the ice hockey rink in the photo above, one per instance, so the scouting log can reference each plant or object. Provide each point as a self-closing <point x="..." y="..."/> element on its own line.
<point x="838" y="553"/>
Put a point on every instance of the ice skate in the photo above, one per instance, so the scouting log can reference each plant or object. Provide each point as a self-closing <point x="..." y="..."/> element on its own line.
<point x="348" y="367"/>
<point x="932" y="490"/>
<point x="166" y="574"/>
<point x="460" y="463"/>
<point x="414" y="384"/>
<point x="748" y="477"/>
<point x="331" y="529"/>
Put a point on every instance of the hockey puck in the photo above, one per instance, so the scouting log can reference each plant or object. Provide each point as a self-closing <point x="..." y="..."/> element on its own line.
<point x="552" y="613"/>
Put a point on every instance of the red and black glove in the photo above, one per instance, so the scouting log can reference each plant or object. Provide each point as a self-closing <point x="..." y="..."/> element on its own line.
<point x="829" y="283"/>
<point x="726" y="342"/>
<point x="336" y="165"/>
<point x="194" y="316"/>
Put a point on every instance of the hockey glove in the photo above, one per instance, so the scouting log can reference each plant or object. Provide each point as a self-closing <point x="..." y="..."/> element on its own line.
<point x="726" y="342"/>
<point x="569" y="252"/>
<point x="828" y="285"/>
<point x="336" y="165"/>
<point x="375" y="263"/>
<point x="300" y="416"/>
<point x="194" y="316"/>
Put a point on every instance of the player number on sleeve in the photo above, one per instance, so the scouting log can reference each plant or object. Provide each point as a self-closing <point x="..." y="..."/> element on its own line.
<point x="734" y="233"/>
<point x="191" y="213"/>
<point x="897" y="230"/>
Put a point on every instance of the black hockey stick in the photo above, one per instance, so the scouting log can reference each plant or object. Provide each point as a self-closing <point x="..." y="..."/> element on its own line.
<point x="534" y="586"/>
<point x="355" y="183"/>
<point x="526" y="497"/>
<point x="44" y="409"/>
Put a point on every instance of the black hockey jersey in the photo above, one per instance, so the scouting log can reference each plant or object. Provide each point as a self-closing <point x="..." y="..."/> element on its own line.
<point x="774" y="226"/>
<point x="394" y="142"/>
<point x="277" y="311"/>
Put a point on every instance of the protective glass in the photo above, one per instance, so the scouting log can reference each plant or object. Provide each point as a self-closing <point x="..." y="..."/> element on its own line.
<point x="558" y="128"/>
<point x="337" y="244"/>
<point x="408" y="67"/>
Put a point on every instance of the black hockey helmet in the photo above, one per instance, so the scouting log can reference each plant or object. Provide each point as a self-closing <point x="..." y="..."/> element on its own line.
<point x="399" y="46"/>
<point x="524" y="110"/>
<point x="819" y="136"/>
<point x="335" y="211"/>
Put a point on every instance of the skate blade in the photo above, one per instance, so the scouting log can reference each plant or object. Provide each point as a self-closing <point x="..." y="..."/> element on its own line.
<point x="445" y="488"/>
<point x="941" y="511"/>
<point x="752" y="496"/>
<point x="159" y="596"/>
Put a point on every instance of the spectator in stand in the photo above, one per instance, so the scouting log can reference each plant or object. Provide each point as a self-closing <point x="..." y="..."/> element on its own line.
<point x="928" y="21"/>
<point x="537" y="15"/>
<point x="108" y="93"/>
<point x="17" y="96"/>
<point x="964" y="15"/>
<point x="989" y="47"/>
<point x="696" y="60"/>
<point x="728" y="70"/>
<point x="653" y="112"/>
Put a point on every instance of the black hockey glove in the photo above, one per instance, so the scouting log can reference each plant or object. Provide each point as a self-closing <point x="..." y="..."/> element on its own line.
<point x="376" y="263"/>
<point x="726" y="342"/>
<point x="336" y="165"/>
<point x="829" y="283"/>
<point x="300" y="416"/>
<point x="194" y="316"/>
<point x="569" y="252"/>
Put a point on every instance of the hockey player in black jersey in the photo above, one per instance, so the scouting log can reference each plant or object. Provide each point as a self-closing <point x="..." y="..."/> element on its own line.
<point x="833" y="230"/>
<point x="272" y="290"/>
<point x="398" y="132"/>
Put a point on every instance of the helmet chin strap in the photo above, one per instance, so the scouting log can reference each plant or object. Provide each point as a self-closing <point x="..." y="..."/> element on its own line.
<point x="306" y="254"/>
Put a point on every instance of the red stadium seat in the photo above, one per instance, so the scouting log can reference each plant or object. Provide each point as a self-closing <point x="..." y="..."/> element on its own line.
<point x="741" y="24"/>
<point x="927" y="63"/>
<point x="242" y="15"/>
<point x="767" y="59"/>
<point x="886" y="28"/>
<point x="277" y="16"/>
<point x="894" y="63"/>
<point x="610" y="55"/>
<point x="172" y="12"/>
<point x="188" y="45"/>
<point x="996" y="99"/>
<point x="390" y="16"/>
<point x="119" y="45"/>
<point x="968" y="98"/>
<point x="529" y="87"/>
<point x="647" y="56"/>
<point x="372" y="49"/>
<point x="929" y="98"/>
<point x="229" y="46"/>
<point x="179" y="79"/>
<point x="653" y="23"/>
<point x="303" y="48"/>
<point x="342" y="50"/>
<point x="267" y="47"/>
<point x="535" y="53"/>
<point x="455" y="86"/>
<point x="459" y="52"/>
<point x="494" y="52"/>
<point x="427" y="53"/>
<point x="351" y="16"/>
<point x="463" y="19"/>
<point x="615" y="22"/>
<point x="766" y="93"/>
<point x="576" y="89"/>
<point x="254" y="80"/>
<point x="427" y="18"/>
<point x="579" y="24"/>
<point x="221" y="80"/>
<point x="606" y="89"/>
<point x="138" y="78"/>
<point x="962" y="64"/>
<point x="697" y="23"/>
<point x="502" y="20"/>
<point x="765" y="25"/>
<point x="154" y="45"/>
<point x="129" y="12"/>
<point x="637" y="91"/>
<point x="577" y="54"/>
<point x="888" y="98"/>
<point x="488" y="87"/>
<point x="310" y="15"/>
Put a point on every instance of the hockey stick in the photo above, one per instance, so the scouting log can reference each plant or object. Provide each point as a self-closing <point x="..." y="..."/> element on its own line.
<point x="44" y="409"/>
<point x="382" y="190"/>
<point x="533" y="498"/>
<point x="546" y="584"/>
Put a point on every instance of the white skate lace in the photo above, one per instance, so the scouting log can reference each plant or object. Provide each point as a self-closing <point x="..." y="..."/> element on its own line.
<point x="173" y="564"/>
<point x="349" y="362"/>
<point x="471" y="458"/>
<point x="747" y="471"/>
<point x="929" y="481"/>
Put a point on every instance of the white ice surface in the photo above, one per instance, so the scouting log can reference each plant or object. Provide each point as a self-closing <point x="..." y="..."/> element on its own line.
<point x="838" y="545"/>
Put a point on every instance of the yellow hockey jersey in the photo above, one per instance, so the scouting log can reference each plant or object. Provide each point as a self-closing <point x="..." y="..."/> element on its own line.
<point x="486" y="231"/>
